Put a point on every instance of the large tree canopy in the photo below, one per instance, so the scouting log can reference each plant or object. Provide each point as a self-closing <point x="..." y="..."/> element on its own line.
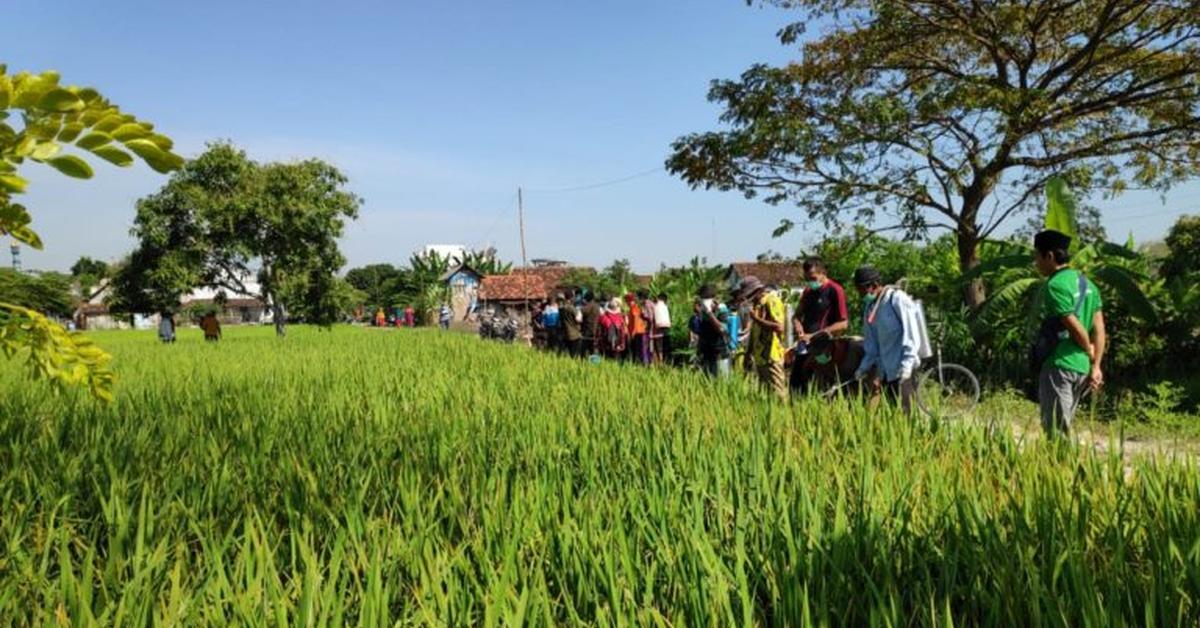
<point x="224" y="214"/>
<point x="954" y="113"/>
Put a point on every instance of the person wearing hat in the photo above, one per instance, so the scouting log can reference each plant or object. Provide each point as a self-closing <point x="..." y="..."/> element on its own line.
<point x="712" y="343"/>
<point x="1072" y="338"/>
<point x="765" y="349"/>
<point x="611" y="334"/>
<point x="891" y="338"/>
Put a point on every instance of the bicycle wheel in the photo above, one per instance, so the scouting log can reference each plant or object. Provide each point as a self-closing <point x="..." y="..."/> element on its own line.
<point x="949" y="392"/>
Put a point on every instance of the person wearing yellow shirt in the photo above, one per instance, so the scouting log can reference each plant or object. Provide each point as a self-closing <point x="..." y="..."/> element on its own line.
<point x="767" y="315"/>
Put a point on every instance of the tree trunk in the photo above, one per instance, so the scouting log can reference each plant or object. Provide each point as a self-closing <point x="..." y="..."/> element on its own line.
<point x="968" y="257"/>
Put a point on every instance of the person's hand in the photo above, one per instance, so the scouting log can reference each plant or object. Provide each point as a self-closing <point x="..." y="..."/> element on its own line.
<point x="805" y="338"/>
<point x="1095" y="379"/>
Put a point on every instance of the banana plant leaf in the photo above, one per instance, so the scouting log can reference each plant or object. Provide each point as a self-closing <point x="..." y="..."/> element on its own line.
<point x="1124" y="285"/>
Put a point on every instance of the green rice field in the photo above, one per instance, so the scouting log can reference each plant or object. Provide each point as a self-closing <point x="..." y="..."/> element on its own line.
<point x="371" y="477"/>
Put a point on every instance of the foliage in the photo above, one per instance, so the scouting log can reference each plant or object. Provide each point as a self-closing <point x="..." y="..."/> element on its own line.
<point x="48" y="293"/>
<point x="380" y="283"/>
<point x="88" y="274"/>
<point x="224" y="212"/>
<point x="1183" y="245"/>
<point x="49" y="117"/>
<point x="944" y="114"/>
<point x="342" y="494"/>
<point x="486" y="263"/>
<point x="52" y="353"/>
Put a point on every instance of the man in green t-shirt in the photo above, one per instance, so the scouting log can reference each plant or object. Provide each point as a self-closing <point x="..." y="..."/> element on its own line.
<point x="1072" y="305"/>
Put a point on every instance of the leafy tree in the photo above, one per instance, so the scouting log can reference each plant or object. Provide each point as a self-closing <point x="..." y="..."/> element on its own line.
<point x="951" y="114"/>
<point x="1183" y="246"/>
<point x="223" y="213"/>
<point x="49" y="118"/>
<point x="88" y="273"/>
<point x="486" y="263"/>
<point x="49" y="293"/>
<point x="379" y="282"/>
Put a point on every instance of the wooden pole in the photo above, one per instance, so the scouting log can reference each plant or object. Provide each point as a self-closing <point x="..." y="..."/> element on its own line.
<point x="524" y="261"/>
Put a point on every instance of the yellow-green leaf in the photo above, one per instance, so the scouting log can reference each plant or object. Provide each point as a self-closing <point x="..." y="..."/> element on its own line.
<point x="129" y="131"/>
<point x="155" y="157"/>
<point x="12" y="183"/>
<point x="71" y="166"/>
<point x="70" y="132"/>
<point x="45" y="150"/>
<point x="93" y="140"/>
<point x="113" y="155"/>
<point x="112" y="121"/>
<point x="60" y="100"/>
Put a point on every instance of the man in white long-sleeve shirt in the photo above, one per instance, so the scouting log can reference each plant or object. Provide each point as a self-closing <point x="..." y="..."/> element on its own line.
<point x="891" y="330"/>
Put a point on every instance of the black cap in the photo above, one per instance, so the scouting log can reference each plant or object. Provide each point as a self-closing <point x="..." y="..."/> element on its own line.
<point x="1051" y="240"/>
<point x="867" y="275"/>
<point x="708" y="292"/>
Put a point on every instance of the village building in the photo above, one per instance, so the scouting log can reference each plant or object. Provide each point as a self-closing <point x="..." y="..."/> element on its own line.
<point x="782" y="275"/>
<point x="232" y="308"/>
<point x="462" y="282"/>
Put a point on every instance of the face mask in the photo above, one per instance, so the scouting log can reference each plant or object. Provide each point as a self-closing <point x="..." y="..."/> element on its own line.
<point x="814" y="285"/>
<point x="708" y="304"/>
<point x="868" y="299"/>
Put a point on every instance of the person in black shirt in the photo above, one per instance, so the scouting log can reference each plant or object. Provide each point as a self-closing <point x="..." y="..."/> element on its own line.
<point x="823" y="312"/>
<point x="712" y="336"/>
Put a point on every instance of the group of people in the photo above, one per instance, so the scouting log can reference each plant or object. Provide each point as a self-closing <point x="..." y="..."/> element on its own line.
<point x="209" y="324"/>
<point x="584" y="325"/>
<point x="1066" y="359"/>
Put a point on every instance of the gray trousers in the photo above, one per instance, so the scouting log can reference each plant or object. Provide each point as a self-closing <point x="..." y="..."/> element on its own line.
<point x="1059" y="392"/>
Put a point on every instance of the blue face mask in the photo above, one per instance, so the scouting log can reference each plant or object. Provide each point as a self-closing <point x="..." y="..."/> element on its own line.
<point x="868" y="299"/>
<point x="814" y="285"/>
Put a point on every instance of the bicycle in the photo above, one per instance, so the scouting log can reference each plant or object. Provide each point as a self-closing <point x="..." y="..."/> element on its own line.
<point x="944" y="390"/>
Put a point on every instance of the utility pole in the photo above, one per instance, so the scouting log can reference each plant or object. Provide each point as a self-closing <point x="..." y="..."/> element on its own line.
<point x="524" y="262"/>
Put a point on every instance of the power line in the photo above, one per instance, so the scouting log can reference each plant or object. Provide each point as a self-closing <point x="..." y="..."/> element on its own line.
<point x="592" y="186"/>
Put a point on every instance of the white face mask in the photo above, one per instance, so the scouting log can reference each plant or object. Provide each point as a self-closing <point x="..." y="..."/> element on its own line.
<point x="708" y="303"/>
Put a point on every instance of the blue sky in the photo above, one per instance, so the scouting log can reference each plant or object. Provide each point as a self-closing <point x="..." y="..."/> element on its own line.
<point x="437" y="112"/>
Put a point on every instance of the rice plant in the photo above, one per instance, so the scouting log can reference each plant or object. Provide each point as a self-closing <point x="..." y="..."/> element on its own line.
<point x="372" y="477"/>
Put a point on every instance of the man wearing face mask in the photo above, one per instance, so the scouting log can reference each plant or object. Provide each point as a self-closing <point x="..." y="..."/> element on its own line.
<point x="822" y="312"/>
<point x="892" y="337"/>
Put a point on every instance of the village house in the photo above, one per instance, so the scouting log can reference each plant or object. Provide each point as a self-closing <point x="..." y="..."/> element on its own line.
<point x="782" y="275"/>
<point x="462" y="282"/>
<point x="508" y="294"/>
<point x="232" y="309"/>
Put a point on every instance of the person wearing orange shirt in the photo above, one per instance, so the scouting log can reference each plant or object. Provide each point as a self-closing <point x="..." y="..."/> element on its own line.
<point x="636" y="326"/>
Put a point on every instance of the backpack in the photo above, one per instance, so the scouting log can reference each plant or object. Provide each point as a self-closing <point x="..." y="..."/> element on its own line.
<point x="612" y="336"/>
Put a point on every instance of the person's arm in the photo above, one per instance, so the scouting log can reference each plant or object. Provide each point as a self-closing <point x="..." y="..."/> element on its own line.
<point x="766" y="321"/>
<point x="1078" y="333"/>
<point x="1099" y="345"/>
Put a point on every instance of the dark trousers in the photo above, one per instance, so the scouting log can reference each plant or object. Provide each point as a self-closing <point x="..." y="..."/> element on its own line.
<point x="573" y="347"/>
<point x="902" y="390"/>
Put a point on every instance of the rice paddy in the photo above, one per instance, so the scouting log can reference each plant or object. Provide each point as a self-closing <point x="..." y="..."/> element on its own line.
<point x="370" y="477"/>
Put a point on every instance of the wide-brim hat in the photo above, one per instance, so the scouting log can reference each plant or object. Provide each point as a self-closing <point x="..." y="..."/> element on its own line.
<point x="750" y="286"/>
<point x="614" y="305"/>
